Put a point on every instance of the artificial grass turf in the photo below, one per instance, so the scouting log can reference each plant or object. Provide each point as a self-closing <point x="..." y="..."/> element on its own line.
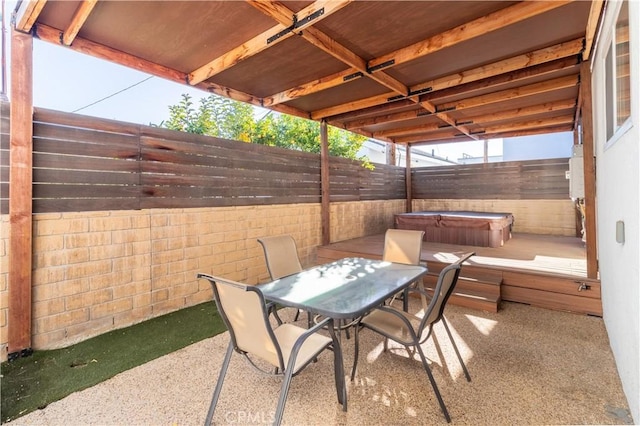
<point x="46" y="376"/>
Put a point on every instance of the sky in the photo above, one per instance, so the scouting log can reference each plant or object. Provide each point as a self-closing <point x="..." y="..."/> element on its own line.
<point x="68" y="81"/>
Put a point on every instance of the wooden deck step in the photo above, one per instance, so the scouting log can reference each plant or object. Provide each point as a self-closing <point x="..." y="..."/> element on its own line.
<point x="471" y="292"/>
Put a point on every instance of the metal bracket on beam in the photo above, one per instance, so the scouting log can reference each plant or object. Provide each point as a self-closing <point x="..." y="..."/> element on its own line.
<point x="296" y="24"/>
<point x="421" y="91"/>
<point x="378" y="67"/>
<point x="453" y="108"/>
<point x="423" y="113"/>
<point x="462" y="123"/>
<point x="396" y="98"/>
<point x="352" y="76"/>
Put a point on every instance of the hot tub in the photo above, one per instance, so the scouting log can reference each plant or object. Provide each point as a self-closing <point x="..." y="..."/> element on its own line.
<point x="481" y="229"/>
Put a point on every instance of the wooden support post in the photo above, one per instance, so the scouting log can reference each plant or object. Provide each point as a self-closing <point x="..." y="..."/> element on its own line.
<point x="325" y="208"/>
<point x="589" y="170"/>
<point x="391" y="154"/>
<point x="20" y="195"/>
<point x="407" y="179"/>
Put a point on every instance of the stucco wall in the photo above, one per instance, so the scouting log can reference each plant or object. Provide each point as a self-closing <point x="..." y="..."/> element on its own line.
<point x="618" y="193"/>
<point x="98" y="271"/>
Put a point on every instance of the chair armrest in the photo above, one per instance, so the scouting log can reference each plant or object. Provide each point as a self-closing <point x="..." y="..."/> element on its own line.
<point x="398" y="313"/>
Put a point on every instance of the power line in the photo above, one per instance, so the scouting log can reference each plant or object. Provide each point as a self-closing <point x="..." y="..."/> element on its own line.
<point x="113" y="94"/>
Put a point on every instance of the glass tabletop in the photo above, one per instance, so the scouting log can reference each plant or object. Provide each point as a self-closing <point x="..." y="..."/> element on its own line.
<point x="346" y="288"/>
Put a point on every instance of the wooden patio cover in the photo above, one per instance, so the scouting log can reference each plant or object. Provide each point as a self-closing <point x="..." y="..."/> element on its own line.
<point x="409" y="72"/>
<point x="406" y="72"/>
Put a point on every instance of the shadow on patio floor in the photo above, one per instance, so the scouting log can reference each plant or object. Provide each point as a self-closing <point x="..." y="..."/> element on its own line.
<point x="528" y="366"/>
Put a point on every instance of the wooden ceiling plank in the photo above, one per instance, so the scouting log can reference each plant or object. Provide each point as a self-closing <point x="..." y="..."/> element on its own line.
<point x="567" y="104"/>
<point x="314" y="86"/>
<point x="436" y="136"/>
<point x="237" y="54"/>
<point x="268" y="38"/>
<point x="592" y="27"/>
<point x="528" y="132"/>
<point x="78" y="20"/>
<point x="338" y="51"/>
<point x="350" y="106"/>
<point x="330" y="46"/>
<point x="536" y="57"/>
<point x="530" y="124"/>
<point x="517" y="92"/>
<point x="28" y="13"/>
<point x="510" y="77"/>
<point x="488" y="23"/>
<point x="408" y="130"/>
<point x="380" y="119"/>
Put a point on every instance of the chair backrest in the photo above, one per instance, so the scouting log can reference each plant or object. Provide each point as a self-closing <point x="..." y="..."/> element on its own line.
<point x="402" y="246"/>
<point x="244" y="312"/>
<point x="444" y="288"/>
<point x="281" y="255"/>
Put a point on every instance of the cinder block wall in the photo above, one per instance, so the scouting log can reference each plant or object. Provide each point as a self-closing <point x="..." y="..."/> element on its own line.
<point x="99" y="271"/>
<point x="544" y="217"/>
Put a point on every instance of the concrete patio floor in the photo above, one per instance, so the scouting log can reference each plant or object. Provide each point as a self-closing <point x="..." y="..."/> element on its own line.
<point x="528" y="366"/>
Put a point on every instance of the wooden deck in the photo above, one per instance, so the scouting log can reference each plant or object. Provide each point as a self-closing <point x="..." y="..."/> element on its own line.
<point x="541" y="270"/>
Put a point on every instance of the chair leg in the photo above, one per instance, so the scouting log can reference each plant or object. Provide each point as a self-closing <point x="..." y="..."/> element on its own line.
<point x="356" y="337"/>
<point x="455" y="348"/>
<point x="216" y="392"/>
<point x="284" y="391"/>
<point x="433" y="384"/>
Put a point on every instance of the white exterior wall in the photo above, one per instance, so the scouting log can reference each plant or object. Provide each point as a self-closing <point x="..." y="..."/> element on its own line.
<point x="618" y="194"/>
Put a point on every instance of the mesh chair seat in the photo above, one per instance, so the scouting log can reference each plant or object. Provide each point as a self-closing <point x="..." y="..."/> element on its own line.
<point x="287" y="347"/>
<point x="411" y="331"/>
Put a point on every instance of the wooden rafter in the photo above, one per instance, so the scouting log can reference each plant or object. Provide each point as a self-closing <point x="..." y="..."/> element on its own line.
<point x="511" y="77"/>
<point x="488" y="23"/>
<point x="566" y="119"/>
<point x="28" y="13"/>
<point x="79" y="18"/>
<point x="268" y="38"/>
<point x="518" y="92"/>
<point x="568" y="104"/>
<point x="537" y="57"/>
<point x="338" y="51"/>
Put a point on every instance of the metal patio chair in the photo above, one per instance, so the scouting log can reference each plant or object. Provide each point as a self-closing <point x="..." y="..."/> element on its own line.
<point x="286" y="347"/>
<point x="412" y="331"/>
<point x="404" y="246"/>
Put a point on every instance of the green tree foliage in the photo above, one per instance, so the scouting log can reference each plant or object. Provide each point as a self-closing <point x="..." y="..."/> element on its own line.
<point x="225" y="118"/>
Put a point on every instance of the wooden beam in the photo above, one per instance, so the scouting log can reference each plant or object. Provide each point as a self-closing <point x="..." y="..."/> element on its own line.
<point x="386" y="118"/>
<point x="592" y="27"/>
<point x="537" y="57"/>
<point x="407" y="179"/>
<point x="325" y="207"/>
<point x="589" y="170"/>
<point x="78" y="20"/>
<point x="529" y="132"/>
<point x="529" y="124"/>
<point x="28" y="13"/>
<point x="314" y="86"/>
<point x="508" y="94"/>
<point x="20" y="195"/>
<point x="506" y="78"/>
<point x="434" y="136"/>
<point x="567" y="104"/>
<point x="478" y="27"/>
<point x="268" y="38"/>
<point x="408" y="130"/>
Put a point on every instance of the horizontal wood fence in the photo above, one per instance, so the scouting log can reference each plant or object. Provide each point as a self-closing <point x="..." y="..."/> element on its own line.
<point x="516" y="180"/>
<point x="84" y="163"/>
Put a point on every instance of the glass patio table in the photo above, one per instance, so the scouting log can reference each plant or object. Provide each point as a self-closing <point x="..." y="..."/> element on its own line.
<point x="345" y="289"/>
